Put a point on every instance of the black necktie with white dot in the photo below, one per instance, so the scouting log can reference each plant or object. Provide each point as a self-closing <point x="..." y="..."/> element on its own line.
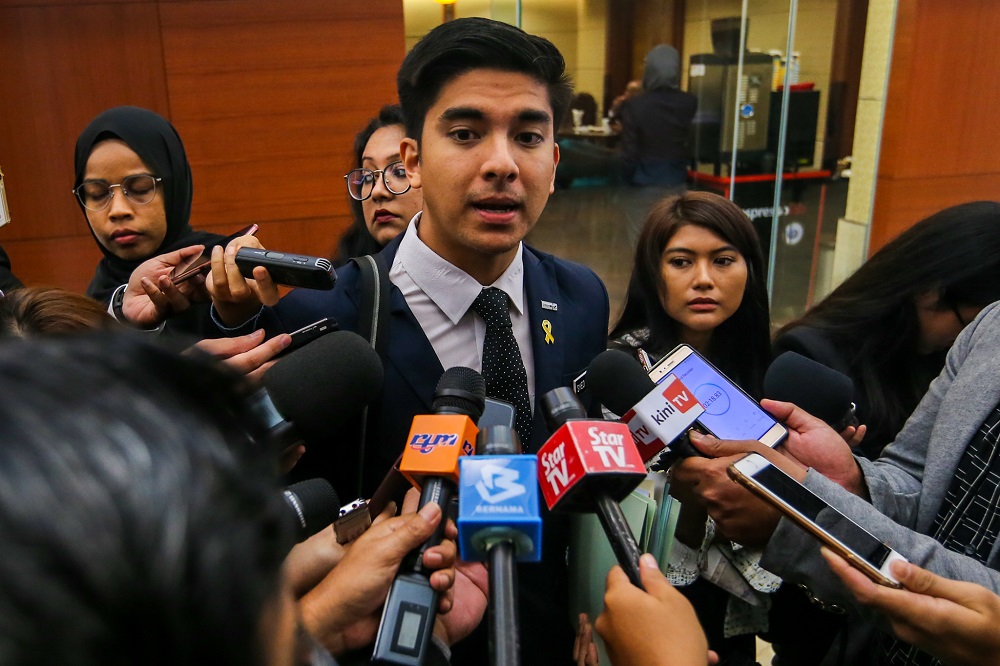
<point x="503" y="368"/>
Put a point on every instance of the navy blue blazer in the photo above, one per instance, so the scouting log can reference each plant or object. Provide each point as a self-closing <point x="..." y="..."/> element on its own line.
<point x="579" y="331"/>
<point x="578" y="327"/>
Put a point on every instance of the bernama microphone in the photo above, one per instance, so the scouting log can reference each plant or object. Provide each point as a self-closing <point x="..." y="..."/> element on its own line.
<point x="589" y="466"/>
<point x="499" y="521"/>
<point x="430" y="462"/>
<point x="819" y="390"/>
<point x="656" y="414"/>
<point x="318" y="388"/>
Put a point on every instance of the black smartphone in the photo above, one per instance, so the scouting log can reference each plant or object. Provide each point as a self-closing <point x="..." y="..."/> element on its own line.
<point x="307" y="334"/>
<point x="201" y="264"/>
<point x="293" y="270"/>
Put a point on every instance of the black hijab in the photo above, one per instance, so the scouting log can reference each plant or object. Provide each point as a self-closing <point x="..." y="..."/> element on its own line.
<point x="157" y="143"/>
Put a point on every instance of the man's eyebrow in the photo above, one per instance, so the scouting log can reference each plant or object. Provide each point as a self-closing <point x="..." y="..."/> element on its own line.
<point x="462" y="113"/>
<point x="534" y="116"/>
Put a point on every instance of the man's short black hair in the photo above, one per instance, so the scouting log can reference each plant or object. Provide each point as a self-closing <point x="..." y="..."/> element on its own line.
<point x="139" y="521"/>
<point x="458" y="46"/>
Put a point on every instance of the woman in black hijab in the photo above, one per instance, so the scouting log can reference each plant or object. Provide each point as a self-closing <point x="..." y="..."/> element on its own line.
<point x="141" y="152"/>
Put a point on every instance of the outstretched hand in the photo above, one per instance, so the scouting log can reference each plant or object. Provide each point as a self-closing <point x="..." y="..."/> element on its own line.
<point x="954" y="621"/>
<point x="344" y="610"/>
<point x="630" y="611"/>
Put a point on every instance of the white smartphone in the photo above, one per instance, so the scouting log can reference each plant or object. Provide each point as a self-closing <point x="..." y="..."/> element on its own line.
<point x="807" y="510"/>
<point x="729" y="412"/>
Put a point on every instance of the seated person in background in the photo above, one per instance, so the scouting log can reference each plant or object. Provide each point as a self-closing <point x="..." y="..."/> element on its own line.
<point x="931" y="495"/>
<point x="133" y="184"/>
<point x="35" y="311"/>
<point x="7" y="279"/>
<point x="480" y="99"/>
<point x="632" y="89"/>
<point x="381" y="198"/>
<point x="656" y="124"/>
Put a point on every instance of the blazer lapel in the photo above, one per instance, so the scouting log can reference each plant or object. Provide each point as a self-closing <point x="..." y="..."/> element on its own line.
<point x="410" y="352"/>
<point x="547" y="327"/>
<point x="972" y="396"/>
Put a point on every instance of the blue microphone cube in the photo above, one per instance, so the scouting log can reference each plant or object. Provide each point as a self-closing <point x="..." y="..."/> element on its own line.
<point x="498" y="500"/>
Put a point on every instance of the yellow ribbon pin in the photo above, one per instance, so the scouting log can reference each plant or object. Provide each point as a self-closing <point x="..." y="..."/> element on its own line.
<point x="547" y="327"/>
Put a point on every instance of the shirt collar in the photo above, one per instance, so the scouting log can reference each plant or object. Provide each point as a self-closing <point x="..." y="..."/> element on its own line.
<point x="452" y="289"/>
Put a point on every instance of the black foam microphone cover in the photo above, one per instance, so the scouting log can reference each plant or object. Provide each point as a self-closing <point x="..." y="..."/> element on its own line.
<point x="617" y="380"/>
<point x="819" y="390"/>
<point x="560" y="405"/>
<point x="314" y="505"/>
<point x="460" y="391"/>
<point x="326" y="383"/>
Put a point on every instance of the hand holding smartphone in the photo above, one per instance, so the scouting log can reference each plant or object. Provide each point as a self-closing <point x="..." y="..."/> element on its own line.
<point x="293" y="270"/>
<point x="807" y="510"/>
<point x="729" y="412"/>
<point x="202" y="264"/>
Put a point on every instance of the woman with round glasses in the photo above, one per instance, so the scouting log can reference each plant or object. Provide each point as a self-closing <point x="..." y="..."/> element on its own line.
<point x="381" y="198"/>
<point x="133" y="183"/>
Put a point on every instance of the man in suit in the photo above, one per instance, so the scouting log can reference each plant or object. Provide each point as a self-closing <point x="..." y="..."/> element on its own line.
<point x="481" y="99"/>
<point x="931" y="495"/>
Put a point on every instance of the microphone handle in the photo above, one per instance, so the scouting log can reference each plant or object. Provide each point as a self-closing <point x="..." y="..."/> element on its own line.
<point x="505" y="641"/>
<point x="441" y="491"/>
<point x="620" y="536"/>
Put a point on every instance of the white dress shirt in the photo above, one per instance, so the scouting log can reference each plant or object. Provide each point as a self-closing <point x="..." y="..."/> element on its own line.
<point x="440" y="297"/>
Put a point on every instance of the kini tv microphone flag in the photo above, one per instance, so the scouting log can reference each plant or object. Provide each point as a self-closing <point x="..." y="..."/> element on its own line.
<point x="656" y="414"/>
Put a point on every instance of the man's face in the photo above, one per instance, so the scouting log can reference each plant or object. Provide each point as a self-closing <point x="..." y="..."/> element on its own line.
<point x="486" y="165"/>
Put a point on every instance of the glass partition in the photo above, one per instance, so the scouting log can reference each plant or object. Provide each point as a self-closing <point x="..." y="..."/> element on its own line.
<point x="775" y="155"/>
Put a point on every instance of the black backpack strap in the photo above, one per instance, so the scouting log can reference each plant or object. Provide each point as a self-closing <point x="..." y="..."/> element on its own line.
<point x="373" y="326"/>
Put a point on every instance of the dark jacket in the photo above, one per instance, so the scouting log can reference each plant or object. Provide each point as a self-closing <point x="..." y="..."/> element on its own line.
<point x="656" y="124"/>
<point x="579" y="326"/>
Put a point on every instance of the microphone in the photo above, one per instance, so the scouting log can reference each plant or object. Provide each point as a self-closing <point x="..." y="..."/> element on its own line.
<point x="590" y="466"/>
<point x="318" y="387"/>
<point x="499" y="522"/>
<point x="430" y="462"/>
<point x="656" y="414"/>
<point x="819" y="390"/>
<point x="314" y="505"/>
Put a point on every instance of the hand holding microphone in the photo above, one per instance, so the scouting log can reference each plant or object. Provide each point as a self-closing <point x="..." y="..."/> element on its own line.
<point x="430" y="461"/>
<point x="343" y="611"/>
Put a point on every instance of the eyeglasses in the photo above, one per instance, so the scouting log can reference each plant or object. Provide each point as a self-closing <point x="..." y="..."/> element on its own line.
<point x="96" y="195"/>
<point x="361" y="182"/>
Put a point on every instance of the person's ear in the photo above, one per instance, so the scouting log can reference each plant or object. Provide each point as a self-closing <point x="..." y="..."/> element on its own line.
<point x="555" y="165"/>
<point x="409" y="152"/>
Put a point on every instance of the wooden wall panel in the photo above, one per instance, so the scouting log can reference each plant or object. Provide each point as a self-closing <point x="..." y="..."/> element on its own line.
<point x="940" y="134"/>
<point x="290" y="84"/>
<point x="267" y="97"/>
<point x="58" y="69"/>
